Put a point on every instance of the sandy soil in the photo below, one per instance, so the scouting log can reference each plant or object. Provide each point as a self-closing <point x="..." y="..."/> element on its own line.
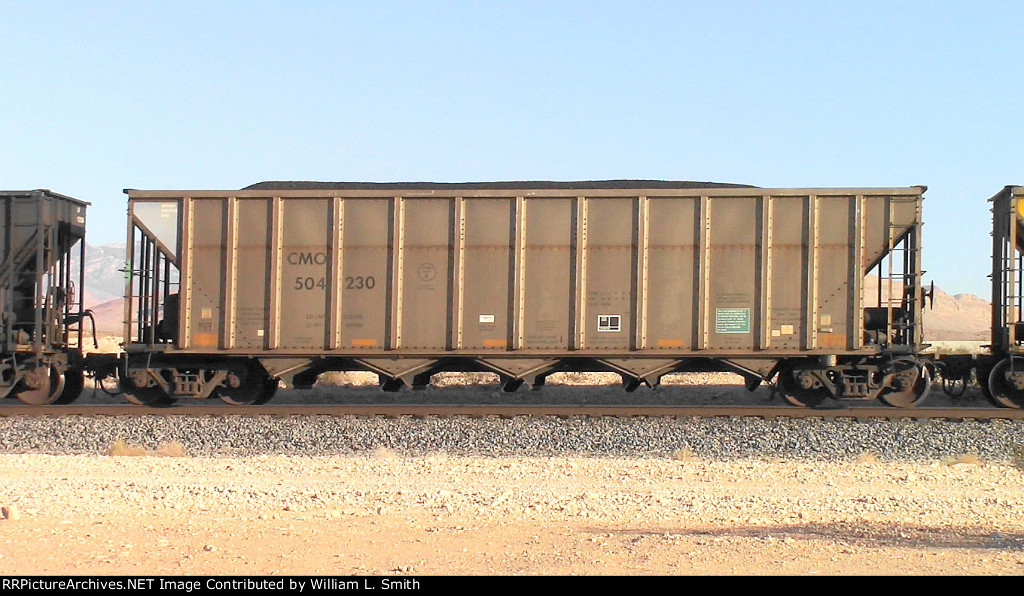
<point x="435" y="515"/>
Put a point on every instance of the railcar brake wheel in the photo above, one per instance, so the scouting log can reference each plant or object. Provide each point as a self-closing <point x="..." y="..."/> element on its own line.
<point x="256" y="388"/>
<point x="917" y="380"/>
<point x="1003" y="391"/>
<point x="797" y="395"/>
<point x="74" y="383"/>
<point x="40" y="386"/>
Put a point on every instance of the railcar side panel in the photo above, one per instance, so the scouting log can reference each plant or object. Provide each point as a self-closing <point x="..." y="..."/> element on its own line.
<point x="425" y="277"/>
<point x="672" y="301"/>
<point x="731" y="319"/>
<point x="252" y="274"/>
<point x="485" y="302"/>
<point x="786" y="267"/>
<point x="206" y="273"/>
<point x="366" y="274"/>
<point x="550" y="275"/>
<point x="610" y="277"/>
<point x="306" y="228"/>
<point x="835" y="266"/>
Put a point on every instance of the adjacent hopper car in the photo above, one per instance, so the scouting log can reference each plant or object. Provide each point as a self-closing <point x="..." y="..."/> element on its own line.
<point x="232" y="291"/>
<point x="999" y="370"/>
<point x="41" y="325"/>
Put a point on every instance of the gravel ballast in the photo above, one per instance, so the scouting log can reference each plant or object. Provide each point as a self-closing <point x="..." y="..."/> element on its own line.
<point x="711" y="438"/>
<point x="820" y="439"/>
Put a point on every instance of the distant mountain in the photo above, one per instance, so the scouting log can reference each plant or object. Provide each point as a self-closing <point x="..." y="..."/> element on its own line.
<point x="963" y="317"/>
<point x="104" y="285"/>
<point x="109" y="317"/>
<point x="960" y="317"/>
<point x="104" y="273"/>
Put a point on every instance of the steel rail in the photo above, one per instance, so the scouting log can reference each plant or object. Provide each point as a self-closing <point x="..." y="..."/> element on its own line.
<point x="506" y="411"/>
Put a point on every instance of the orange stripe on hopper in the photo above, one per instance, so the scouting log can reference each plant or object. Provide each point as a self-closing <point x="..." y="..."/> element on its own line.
<point x="204" y="340"/>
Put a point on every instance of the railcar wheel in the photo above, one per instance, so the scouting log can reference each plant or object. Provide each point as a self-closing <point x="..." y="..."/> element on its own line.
<point x="1006" y="383"/>
<point x="915" y="380"/>
<point x="74" y="383"/>
<point x="150" y="395"/>
<point x="40" y="386"/>
<point x="254" y="389"/>
<point x="796" y="393"/>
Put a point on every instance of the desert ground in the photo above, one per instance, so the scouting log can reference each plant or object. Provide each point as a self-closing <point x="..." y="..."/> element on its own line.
<point x="133" y="511"/>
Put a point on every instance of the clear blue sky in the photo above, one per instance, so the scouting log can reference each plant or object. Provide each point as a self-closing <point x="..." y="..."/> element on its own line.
<point x="100" y="96"/>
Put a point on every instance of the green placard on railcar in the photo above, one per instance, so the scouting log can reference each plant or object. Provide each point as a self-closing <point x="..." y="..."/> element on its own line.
<point x="732" y="320"/>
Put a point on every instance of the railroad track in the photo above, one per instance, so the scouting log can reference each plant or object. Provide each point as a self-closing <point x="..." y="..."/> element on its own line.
<point x="509" y="411"/>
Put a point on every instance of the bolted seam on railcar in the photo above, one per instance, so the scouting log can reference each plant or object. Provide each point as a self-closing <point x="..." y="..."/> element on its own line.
<point x="519" y="278"/>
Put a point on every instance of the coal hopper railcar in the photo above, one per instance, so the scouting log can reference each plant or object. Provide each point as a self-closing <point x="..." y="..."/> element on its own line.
<point x="41" y="323"/>
<point x="999" y="367"/>
<point x="232" y="291"/>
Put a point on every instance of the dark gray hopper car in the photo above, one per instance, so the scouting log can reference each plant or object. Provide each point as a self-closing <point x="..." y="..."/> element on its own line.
<point x="232" y="290"/>
<point x="41" y="325"/>
<point x="1000" y="369"/>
